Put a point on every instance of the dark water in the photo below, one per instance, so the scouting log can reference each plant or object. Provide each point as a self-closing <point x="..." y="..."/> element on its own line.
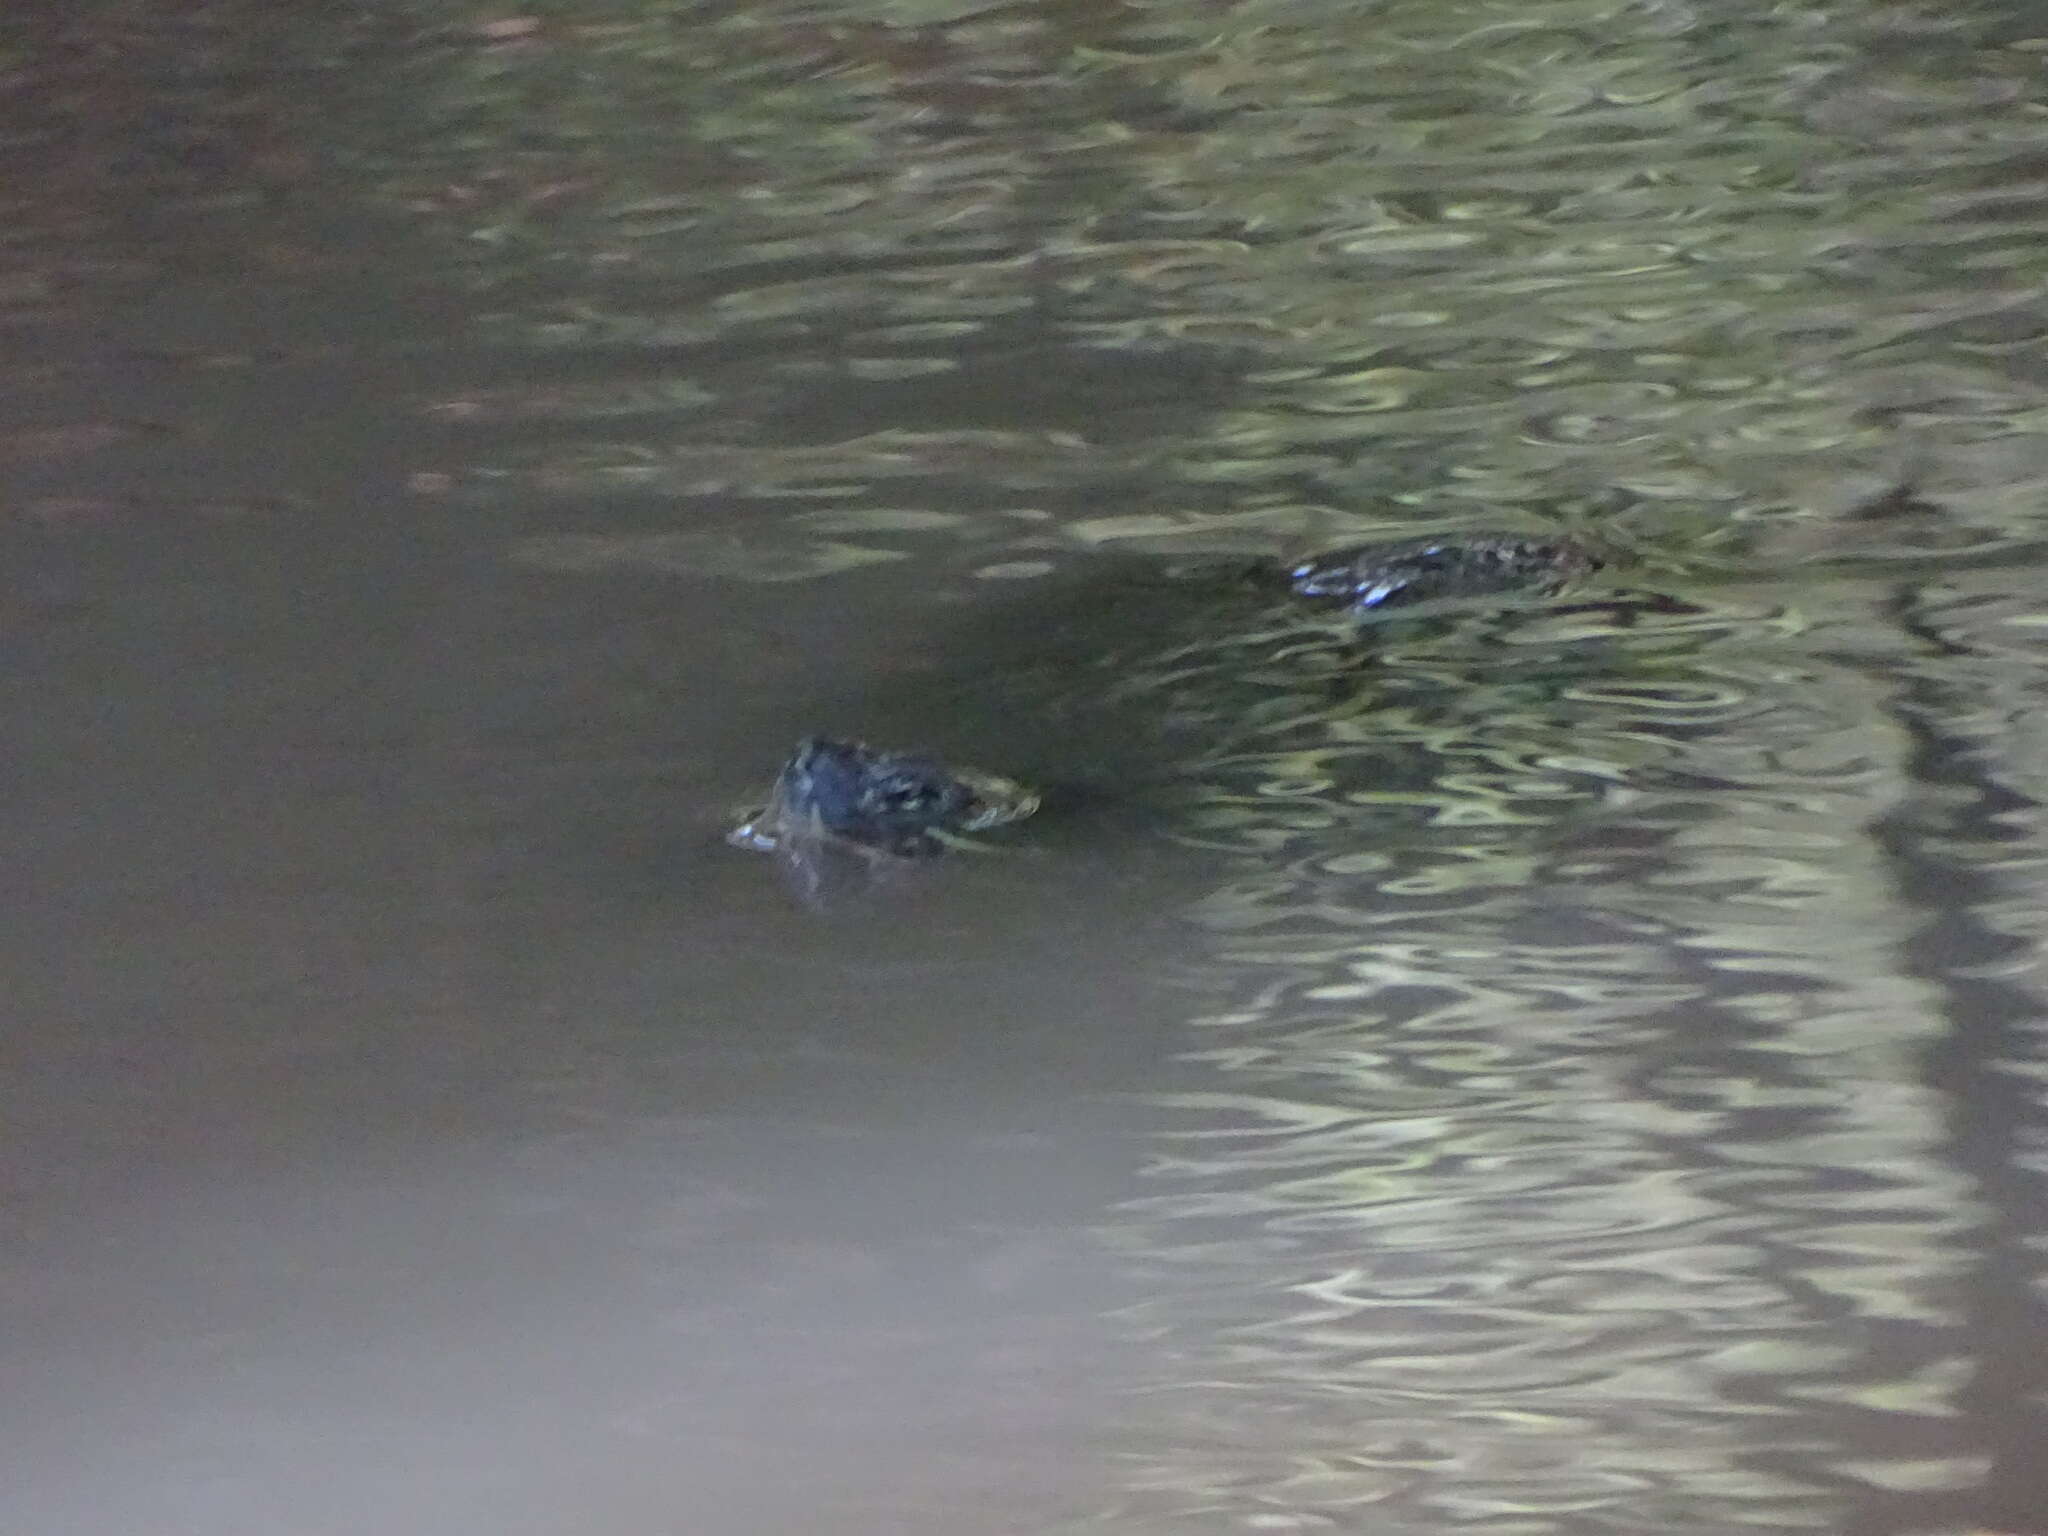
<point x="1570" y="1070"/>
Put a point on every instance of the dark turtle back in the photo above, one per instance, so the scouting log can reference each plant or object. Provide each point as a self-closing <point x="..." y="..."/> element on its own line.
<point x="1400" y="576"/>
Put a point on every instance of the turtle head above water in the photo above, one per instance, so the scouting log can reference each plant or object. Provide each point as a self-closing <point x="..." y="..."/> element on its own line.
<point x="891" y="803"/>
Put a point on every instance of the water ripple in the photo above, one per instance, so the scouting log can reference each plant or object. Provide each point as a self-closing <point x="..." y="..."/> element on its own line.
<point x="1571" y="1133"/>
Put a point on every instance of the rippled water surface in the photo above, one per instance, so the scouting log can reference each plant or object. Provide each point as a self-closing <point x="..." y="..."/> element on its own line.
<point x="1560" y="1070"/>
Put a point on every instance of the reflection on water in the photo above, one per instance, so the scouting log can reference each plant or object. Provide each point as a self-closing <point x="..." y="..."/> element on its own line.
<point x="1593" y="1069"/>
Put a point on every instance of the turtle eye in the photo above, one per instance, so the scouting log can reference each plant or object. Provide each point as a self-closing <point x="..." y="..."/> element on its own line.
<point x="913" y="793"/>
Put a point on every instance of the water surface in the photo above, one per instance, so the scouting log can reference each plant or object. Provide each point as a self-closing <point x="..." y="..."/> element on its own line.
<point x="1562" y="1071"/>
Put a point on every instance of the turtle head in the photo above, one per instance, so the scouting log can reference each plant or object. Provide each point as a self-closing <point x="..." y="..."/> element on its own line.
<point x="890" y="801"/>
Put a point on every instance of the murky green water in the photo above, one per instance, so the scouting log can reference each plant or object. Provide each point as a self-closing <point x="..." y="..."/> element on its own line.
<point x="1569" y="1070"/>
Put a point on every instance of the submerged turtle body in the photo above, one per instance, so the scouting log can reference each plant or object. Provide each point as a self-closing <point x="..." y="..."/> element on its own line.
<point x="894" y="804"/>
<point x="1408" y="578"/>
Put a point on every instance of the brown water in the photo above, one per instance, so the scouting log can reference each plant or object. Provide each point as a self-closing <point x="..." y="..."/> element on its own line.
<point x="1560" y="1071"/>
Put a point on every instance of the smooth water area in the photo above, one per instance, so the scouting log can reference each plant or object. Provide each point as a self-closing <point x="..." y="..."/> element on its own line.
<point x="1577" y="1068"/>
